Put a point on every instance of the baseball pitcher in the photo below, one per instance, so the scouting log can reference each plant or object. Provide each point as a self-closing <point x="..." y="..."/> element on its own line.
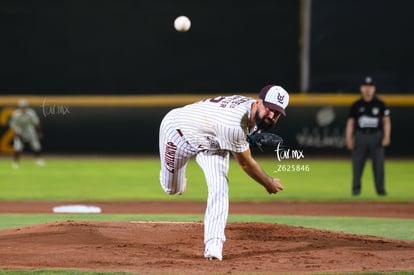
<point x="26" y="125"/>
<point x="209" y="130"/>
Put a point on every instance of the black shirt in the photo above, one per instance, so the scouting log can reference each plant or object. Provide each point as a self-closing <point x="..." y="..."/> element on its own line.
<point x="368" y="115"/>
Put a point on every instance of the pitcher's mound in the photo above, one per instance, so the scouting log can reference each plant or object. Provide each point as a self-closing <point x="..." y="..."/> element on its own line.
<point x="177" y="248"/>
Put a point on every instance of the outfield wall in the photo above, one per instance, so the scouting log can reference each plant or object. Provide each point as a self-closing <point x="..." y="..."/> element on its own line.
<point x="129" y="124"/>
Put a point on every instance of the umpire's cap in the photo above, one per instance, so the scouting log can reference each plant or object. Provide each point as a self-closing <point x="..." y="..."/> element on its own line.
<point x="275" y="98"/>
<point x="368" y="81"/>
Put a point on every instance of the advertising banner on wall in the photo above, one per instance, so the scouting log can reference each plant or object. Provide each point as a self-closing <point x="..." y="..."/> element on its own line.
<point x="134" y="130"/>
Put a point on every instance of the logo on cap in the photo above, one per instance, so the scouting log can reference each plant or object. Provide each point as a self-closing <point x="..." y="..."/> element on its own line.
<point x="280" y="98"/>
<point x="368" y="81"/>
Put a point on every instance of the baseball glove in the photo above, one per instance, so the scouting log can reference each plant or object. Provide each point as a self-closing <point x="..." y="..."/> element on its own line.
<point x="264" y="140"/>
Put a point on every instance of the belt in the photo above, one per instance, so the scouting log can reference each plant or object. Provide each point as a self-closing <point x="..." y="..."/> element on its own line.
<point x="369" y="130"/>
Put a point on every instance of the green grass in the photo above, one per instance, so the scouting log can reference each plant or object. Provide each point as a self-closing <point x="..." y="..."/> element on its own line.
<point x="137" y="179"/>
<point x="390" y="228"/>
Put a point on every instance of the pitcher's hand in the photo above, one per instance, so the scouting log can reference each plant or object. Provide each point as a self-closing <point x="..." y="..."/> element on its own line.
<point x="274" y="186"/>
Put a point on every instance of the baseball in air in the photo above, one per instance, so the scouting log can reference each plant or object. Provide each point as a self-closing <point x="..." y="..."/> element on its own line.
<point x="182" y="23"/>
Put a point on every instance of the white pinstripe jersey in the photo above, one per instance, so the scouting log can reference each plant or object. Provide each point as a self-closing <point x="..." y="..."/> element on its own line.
<point x="219" y="123"/>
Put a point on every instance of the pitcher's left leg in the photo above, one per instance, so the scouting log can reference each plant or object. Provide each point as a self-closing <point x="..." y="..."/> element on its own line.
<point x="215" y="166"/>
<point x="175" y="152"/>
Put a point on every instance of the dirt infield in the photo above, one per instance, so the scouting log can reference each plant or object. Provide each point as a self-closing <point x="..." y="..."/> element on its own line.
<point x="177" y="248"/>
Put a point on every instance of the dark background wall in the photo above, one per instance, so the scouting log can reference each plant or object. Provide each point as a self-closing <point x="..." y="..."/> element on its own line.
<point x="130" y="46"/>
<point x="354" y="38"/>
<point x="117" y="47"/>
<point x="317" y="130"/>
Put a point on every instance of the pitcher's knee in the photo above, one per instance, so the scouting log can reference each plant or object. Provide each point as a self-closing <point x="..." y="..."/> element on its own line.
<point x="169" y="191"/>
<point x="167" y="188"/>
<point x="174" y="189"/>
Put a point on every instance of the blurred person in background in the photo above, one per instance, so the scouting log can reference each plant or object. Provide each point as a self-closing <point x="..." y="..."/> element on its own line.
<point x="368" y="131"/>
<point x="26" y="126"/>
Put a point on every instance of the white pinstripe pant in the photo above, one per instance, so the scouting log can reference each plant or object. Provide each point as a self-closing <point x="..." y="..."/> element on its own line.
<point x="175" y="152"/>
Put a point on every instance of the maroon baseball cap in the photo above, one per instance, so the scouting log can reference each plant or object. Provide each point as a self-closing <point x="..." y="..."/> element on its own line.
<point x="275" y="98"/>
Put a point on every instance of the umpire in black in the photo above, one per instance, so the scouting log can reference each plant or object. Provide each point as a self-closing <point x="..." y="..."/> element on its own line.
<point x="368" y="131"/>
